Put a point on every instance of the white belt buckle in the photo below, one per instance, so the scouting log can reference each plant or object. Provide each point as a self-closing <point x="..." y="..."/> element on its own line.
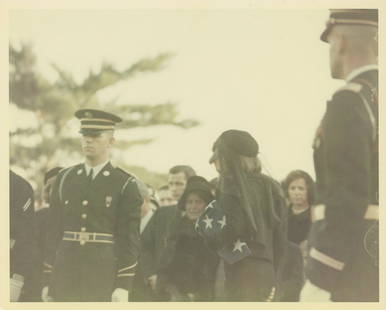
<point x="84" y="236"/>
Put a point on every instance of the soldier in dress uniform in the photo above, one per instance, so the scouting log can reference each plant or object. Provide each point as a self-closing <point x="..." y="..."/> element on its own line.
<point x="22" y="234"/>
<point x="343" y="255"/>
<point x="94" y="222"/>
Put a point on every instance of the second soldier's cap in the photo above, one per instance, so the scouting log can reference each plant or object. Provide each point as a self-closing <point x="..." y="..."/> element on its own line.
<point x="94" y="121"/>
<point x="361" y="17"/>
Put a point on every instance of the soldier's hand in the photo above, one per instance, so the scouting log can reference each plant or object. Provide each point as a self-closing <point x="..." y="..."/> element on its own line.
<point x="152" y="281"/>
<point x="45" y="295"/>
<point x="120" y="295"/>
<point x="15" y="289"/>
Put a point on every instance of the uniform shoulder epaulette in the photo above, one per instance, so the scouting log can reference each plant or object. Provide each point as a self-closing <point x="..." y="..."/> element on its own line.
<point x="63" y="170"/>
<point x="131" y="176"/>
<point x="352" y="87"/>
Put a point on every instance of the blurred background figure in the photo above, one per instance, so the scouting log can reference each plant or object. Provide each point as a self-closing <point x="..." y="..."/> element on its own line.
<point x="42" y="224"/>
<point x="165" y="197"/>
<point x="142" y="291"/>
<point x="23" y="250"/>
<point x="190" y="272"/>
<point x="178" y="177"/>
<point x="299" y="189"/>
<point x="163" y="218"/>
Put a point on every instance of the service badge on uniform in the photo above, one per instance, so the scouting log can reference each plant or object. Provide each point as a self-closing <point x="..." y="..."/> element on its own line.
<point x="88" y="114"/>
<point x="109" y="199"/>
<point x="371" y="243"/>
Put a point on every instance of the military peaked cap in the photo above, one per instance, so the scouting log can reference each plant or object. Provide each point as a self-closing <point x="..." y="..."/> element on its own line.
<point x="92" y="121"/>
<point x="363" y="17"/>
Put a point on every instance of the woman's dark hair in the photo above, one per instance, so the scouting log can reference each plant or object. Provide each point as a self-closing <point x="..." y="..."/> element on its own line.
<point x="310" y="184"/>
<point x="241" y="178"/>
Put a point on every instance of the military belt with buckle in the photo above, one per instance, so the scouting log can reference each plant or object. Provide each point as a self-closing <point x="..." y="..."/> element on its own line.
<point x="83" y="237"/>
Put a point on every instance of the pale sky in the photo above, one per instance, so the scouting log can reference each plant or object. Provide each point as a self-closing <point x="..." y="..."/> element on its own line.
<point x="264" y="71"/>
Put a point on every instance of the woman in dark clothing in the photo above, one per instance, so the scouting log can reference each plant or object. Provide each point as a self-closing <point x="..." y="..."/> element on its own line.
<point x="300" y="193"/>
<point x="190" y="273"/>
<point x="246" y="225"/>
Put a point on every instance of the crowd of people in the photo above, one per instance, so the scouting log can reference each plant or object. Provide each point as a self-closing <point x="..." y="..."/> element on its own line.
<point x="104" y="235"/>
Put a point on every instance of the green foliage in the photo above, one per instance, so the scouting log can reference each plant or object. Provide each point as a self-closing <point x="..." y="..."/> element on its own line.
<point x="52" y="105"/>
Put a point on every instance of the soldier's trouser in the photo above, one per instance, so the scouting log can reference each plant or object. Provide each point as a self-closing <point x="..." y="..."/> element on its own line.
<point x="359" y="280"/>
<point x="83" y="272"/>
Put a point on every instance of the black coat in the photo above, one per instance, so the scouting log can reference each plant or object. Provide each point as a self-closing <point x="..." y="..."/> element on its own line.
<point x="346" y="165"/>
<point x="141" y="289"/>
<point x="110" y="204"/>
<point x="192" y="265"/>
<point x="156" y="238"/>
<point x="292" y="278"/>
<point x="251" y="268"/>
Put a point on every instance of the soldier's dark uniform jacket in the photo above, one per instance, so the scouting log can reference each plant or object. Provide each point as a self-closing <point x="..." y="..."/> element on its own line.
<point x="94" y="234"/>
<point x="22" y="235"/>
<point x="343" y="259"/>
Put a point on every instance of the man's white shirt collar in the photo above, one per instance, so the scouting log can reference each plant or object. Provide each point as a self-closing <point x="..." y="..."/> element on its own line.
<point x="96" y="169"/>
<point x="359" y="71"/>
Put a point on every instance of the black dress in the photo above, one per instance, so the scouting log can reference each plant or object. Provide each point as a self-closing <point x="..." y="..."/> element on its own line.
<point x="298" y="225"/>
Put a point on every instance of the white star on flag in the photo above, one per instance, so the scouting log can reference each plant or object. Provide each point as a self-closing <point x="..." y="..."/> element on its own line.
<point x="222" y="222"/>
<point x="238" y="245"/>
<point x="210" y="205"/>
<point x="208" y="221"/>
<point x="196" y="226"/>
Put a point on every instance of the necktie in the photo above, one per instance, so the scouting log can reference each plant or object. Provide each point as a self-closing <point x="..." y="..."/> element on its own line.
<point x="90" y="175"/>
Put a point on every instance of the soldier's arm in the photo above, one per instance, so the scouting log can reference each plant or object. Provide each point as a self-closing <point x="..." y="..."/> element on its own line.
<point x="54" y="231"/>
<point x="25" y="247"/>
<point x="148" y="259"/>
<point x="348" y="152"/>
<point x="127" y="233"/>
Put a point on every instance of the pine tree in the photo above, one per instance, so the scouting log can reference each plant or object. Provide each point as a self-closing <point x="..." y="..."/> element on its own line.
<point x="52" y="105"/>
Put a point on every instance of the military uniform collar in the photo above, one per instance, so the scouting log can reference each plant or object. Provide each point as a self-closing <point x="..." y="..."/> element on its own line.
<point x="359" y="71"/>
<point x="96" y="169"/>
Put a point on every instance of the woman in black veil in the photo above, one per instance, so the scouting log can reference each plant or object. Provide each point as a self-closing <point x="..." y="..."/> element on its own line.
<point x="246" y="223"/>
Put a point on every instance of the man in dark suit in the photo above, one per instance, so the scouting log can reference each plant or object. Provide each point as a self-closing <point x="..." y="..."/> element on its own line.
<point x="94" y="222"/>
<point x="163" y="219"/>
<point x="22" y="235"/>
<point x="342" y="261"/>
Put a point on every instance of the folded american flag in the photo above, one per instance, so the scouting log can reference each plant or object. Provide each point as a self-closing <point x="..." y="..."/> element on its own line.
<point x="211" y="225"/>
